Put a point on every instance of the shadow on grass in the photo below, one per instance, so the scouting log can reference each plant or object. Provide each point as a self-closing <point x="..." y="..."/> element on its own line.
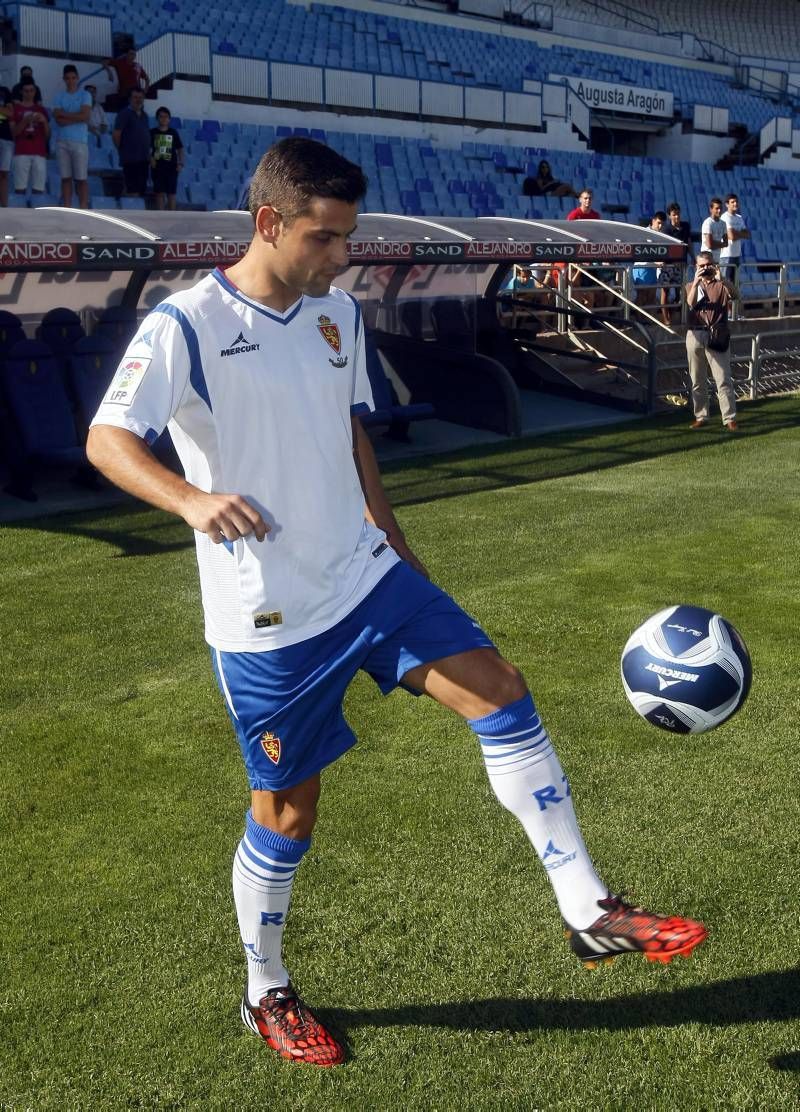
<point x="772" y="997"/>
<point x="560" y="454"/>
<point x="789" y="1061"/>
<point x="480" y="468"/>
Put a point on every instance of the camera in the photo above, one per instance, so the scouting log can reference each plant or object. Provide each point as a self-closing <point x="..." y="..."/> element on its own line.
<point x="708" y="271"/>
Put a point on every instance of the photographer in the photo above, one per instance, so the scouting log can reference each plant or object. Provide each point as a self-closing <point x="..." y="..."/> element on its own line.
<point x="708" y="341"/>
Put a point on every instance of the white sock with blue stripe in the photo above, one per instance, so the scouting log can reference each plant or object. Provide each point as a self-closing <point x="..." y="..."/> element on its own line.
<point x="527" y="778"/>
<point x="263" y="872"/>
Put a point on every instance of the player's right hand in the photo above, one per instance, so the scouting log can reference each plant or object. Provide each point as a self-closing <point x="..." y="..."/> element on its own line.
<point x="224" y="517"/>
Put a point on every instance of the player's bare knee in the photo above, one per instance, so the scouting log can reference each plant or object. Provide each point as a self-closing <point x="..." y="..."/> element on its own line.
<point x="511" y="684"/>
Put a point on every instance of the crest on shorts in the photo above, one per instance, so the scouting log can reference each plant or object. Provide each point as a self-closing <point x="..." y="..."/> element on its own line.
<point x="271" y="746"/>
<point x="332" y="337"/>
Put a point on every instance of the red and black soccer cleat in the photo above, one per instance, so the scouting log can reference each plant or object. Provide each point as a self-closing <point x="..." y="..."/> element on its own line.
<point x="287" y="1026"/>
<point x="623" y="929"/>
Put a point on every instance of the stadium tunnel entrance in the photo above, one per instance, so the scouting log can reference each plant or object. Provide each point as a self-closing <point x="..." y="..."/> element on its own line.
<point x="469" y="321"/>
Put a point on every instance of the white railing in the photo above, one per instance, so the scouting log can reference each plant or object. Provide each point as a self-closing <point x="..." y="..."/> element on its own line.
<point x="63" y="32"/>
<point x="775" y="132"/>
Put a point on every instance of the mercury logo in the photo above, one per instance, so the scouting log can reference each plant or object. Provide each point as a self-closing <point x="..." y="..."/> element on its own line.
<point x="668" y="676"/>
<point x="239" y="346"/>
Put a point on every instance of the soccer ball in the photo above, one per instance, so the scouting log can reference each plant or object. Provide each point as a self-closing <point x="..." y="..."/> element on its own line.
<point x="686" y="670"/>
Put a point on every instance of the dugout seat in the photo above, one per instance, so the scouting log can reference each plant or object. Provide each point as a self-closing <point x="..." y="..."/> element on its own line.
<point x="11" y="331"/>
<point x="117" y="323"/>
<point x="42" y="423"/>
<point x="388" y="410"/>
<point x="91" y="367"/>
<point x="60" y="330"/>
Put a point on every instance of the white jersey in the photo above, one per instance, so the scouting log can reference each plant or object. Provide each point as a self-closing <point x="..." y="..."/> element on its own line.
<point x="258" y="403"/>
<point x="715" y="229"/>
<point x="732" y="250"/>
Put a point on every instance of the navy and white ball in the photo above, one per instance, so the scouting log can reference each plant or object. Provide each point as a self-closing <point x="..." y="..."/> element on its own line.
<point x="686" y="670"/>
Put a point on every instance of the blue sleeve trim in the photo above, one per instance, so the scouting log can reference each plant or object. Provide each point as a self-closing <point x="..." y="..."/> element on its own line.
<point x="359" y="409"/>
<point x="358" y="313"/>
<point x="150" y="437"/>
<point x="196" y="375"/>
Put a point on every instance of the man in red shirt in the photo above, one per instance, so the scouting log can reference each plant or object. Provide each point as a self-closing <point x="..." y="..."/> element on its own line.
<point x="129" y="74"/>
<point x="584" y="211"/>
<point x="30" y="128"/>
<point x="597" y="298"/>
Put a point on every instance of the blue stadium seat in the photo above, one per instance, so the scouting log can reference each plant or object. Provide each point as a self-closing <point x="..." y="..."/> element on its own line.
<point x="38" y="402"/>
<point x="91" y="367"/>
<point x="11" y="331"/>
<point x="388" y="411"/>
<point x="60" y="329"/>
<point x="116" y="323"/>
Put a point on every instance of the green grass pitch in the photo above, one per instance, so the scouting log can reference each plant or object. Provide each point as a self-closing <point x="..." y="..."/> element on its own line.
<point x="423" y="927"/>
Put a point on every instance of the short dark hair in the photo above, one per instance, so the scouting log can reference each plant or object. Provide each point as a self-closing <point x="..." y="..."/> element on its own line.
<point x="673" y="206"/>
<point x="731" y="197"/>
<point x="163" y="108"/>
<point x="27" y="83"/>
<point x="705" y="255"/>
<point x="662" y="216"/>
<point x="715" y="201"/>
<point x="296" y="170"/>
<point x="28" y="68"/>
<point x="69" y="68"/>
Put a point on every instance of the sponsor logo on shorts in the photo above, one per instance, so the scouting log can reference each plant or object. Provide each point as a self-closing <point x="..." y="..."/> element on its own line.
<point x="240" y="346"/>
<point x="271" y="746"/>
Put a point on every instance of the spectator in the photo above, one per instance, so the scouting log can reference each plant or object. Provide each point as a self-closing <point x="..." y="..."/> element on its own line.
<point x="670" y="278"/>
<point x="713" y="234"/>
<point x="597" y="298"/>
<point x="6" y="141"/>
<point x="26" y="74"/>
<point x="98" y="124"/>
<point x="584" y="210"/>
<point x="31" y="130"/>
<point x="544" y="183"/>
<point x="166" y="159"/>
<point x="71" y="111"/>
<point x="129" y="75"/>
<point x="646" y="277"/>
<point x="131" y="137"/>
<point x="709" y="298"/>
<point x="731" y="254"/>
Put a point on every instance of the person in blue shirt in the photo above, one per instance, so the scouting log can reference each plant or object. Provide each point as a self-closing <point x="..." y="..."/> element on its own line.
<point x="131" y="137"/>
<point x="71" y="111"/>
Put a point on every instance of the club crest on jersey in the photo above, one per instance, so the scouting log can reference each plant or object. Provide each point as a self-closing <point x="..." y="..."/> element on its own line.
<point x="331" y="336"/>
<point x="271" y="746"/>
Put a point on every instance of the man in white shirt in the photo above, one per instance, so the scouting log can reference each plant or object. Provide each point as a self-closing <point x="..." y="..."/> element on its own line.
<point x="730" y="256"/>
<point x="306" y="576"/>
<point x="713" y="233"/>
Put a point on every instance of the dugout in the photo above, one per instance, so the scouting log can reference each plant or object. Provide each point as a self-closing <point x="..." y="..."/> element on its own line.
<point x="451" y="335"/>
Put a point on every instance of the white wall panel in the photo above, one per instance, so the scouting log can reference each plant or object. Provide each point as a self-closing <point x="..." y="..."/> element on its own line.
<point x="348" y="89"/>
<point x="439" y="99"/>
<point x="296" y="83"/>
<point x="397" y="94"/>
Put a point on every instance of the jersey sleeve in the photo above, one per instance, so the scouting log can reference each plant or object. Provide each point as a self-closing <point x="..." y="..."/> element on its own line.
<point x="361" y="400"/>
<point x="150" y="380"/>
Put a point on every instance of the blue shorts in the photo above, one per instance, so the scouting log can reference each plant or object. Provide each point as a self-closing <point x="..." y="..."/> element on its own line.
<point x="286" y="704"/>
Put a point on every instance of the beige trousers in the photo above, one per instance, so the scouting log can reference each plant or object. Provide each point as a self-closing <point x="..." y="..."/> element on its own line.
<point x="701" y="361"/>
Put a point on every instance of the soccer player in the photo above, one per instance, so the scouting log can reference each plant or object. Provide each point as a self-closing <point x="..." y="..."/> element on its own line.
<point x="306" y="576"/>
